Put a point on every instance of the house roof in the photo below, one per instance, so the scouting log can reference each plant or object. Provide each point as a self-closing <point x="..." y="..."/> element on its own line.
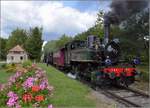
<point x="17" y="48"/>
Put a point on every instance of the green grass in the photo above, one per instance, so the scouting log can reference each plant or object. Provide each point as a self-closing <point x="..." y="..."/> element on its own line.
<point x="68" y="93"/>
<point x="4" y="75"/>
<point x="144" y="69"/>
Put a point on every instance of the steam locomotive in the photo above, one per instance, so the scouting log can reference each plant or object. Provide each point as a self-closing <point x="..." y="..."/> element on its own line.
<point x="95" y="60"/>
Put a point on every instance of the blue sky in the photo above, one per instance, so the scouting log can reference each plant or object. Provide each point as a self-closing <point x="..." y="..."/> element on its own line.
<point x="56" y="17"/>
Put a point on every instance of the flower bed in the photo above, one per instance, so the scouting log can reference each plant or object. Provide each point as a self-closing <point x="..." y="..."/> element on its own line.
<point x="28" y="88"/>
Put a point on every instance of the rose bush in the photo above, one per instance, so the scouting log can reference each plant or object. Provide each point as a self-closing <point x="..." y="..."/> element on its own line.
<point x="27" y="88"/>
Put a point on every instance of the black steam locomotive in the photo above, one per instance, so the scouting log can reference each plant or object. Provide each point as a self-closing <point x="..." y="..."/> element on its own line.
<point x="94" y="60"/>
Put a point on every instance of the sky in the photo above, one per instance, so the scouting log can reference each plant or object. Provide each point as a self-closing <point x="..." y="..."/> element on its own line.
<point x="56" y="17"/>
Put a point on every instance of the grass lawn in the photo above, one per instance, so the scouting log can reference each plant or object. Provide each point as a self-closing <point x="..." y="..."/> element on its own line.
<point x="143" y="82"/>
<point x="144" y="69"/>
<point x="68" y="93"/>
<point x="4" y="76"/>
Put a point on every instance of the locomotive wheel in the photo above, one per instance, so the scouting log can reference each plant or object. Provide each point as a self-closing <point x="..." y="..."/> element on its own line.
<point x="94" y="80"/>
<point x="122" y="82"/>
<point x="130" y="80"/>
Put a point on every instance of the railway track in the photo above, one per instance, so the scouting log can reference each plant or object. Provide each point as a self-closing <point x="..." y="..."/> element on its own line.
<point x="127" y="97"/>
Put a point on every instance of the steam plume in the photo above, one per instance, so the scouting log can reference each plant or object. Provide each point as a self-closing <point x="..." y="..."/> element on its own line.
<point x="122" y="9"/>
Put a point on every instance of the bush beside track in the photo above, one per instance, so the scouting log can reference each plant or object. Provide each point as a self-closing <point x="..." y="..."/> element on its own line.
<point x="144" y="69"/>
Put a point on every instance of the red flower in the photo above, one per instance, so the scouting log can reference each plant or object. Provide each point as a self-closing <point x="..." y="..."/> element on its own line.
<point x="27" y="97"/>
<point x="39" y="98"/>
<point x="35" y="88"/>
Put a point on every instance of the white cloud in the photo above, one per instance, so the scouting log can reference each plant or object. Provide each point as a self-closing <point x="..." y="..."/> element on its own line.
<point x="53" y="16"/>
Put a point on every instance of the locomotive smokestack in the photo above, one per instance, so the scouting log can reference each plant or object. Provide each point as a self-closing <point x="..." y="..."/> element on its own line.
<point x="120" y="11"/>
<point x="106" y="29"/>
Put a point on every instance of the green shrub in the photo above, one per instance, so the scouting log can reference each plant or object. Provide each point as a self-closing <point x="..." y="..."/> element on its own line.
<point x="144" y="70"/>
<point x="11" y="67"/>
<point x="13" y="64"/>
<point x="27" y="63"/>
<point x="2" y="65"/>
<point x="145" y="76"/>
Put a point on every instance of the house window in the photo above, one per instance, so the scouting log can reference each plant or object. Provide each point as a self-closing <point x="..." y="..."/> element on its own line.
<point x="21" y="58"/>
<point x="12" y="58"/>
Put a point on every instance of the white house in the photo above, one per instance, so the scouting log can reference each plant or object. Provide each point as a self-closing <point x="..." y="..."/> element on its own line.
<point x="17" y="55"/>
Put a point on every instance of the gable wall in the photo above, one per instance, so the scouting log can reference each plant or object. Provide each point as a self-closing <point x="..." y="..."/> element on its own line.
<point x="16" y="58"/>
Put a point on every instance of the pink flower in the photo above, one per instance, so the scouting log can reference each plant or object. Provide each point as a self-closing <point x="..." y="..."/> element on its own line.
<point x="40" y="73"/>
<point x="12" y="101"/>
<point x="3" y="86"/>
<point x="10" y="94"/>
<point x="12" y="79"/>
<point x="33" y="65"/>
<point x="44" y="84"/>
<point x="50" y="106"/>
<point x="18" y="106"/>
<point x="18" y="74"/>
<point x="28" y="83"/>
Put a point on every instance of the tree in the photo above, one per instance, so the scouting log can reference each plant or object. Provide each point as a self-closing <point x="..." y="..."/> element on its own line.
<point x="100" y="16"/>
<point x="34" y="43"/>
<point x="139" y="28"/>
<point x="96" y="30"/>
<point x="3" y="51"/>
<point x="50" y="46"/>
<point x="63" y="40"/>
<point x="132" y="33"/>
<point x="54" y="45"/>
<point x="18" y="36"/>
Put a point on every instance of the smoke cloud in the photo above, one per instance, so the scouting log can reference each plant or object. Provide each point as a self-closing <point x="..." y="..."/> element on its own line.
<point x="122" y="9"/>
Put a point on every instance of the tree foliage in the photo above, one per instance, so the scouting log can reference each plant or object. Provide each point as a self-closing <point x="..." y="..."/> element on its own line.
<point x="17" y="37"/>
<point x="34" y="43"/>
<point x="30" y="40"/>
<point x="50" y="47"/>
<point x="96" y="30"/>
<point x="54" y="45"/>
<point x="131" y="34"/>
<point x="3" y="50"/>
<point x="63" y="40"/>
